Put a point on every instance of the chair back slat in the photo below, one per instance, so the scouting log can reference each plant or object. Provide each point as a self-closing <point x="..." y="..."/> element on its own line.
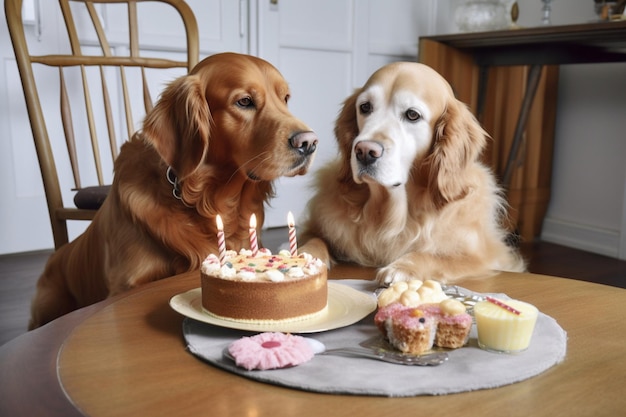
<point x="147" y="99"/>
<point x="72" y="34"/>
<point x="108" y="114"/>
<point x="106" y="51"/>
<point x="127" y="106"/>
<point x="133" y="29"/>
<point x="68" y="129"/>
<point x="93" y="134"/>
<point x="97" y="24"/>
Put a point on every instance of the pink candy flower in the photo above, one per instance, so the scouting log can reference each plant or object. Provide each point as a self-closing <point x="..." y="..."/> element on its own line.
<point x="270" y="351"/>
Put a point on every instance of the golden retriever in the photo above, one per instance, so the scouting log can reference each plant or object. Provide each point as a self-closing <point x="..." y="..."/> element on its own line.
<point x="213" y="144"/>
<point x="407" y="193"/>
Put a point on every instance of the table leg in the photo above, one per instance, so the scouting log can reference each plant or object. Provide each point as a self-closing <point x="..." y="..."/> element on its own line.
<point x="483" y="76"/>
<point x="534" y="75"/>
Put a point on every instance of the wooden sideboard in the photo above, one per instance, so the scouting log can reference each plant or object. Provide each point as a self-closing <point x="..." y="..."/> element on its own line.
<point x="509" y="79"/>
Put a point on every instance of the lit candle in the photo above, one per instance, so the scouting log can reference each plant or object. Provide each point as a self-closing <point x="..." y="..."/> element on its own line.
<point x="293" y="243"/>
<point x="254" y="246"/>
<point x="221" y="241"/>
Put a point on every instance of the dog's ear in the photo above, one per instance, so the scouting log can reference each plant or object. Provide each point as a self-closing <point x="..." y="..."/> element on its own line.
<point x="346" y="129"/>
<point x="178" y="126"/>
<point x="458" y="141"/>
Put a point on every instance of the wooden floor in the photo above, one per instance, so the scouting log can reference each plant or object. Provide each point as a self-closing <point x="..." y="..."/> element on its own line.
<point x="18" y="274"/>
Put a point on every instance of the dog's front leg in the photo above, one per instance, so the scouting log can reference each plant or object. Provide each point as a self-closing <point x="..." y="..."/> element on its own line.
<point x="413" y="265"/>
<point x="445" y="268"/>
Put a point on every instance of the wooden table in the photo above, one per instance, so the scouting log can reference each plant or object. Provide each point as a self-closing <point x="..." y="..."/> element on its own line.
<point x="126" y="356"/>
<point x="510" y="78"/>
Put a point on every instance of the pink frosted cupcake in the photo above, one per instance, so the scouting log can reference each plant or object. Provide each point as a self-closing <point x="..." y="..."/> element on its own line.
<point x="270" y="351"/>
<point x="416" y="329"/>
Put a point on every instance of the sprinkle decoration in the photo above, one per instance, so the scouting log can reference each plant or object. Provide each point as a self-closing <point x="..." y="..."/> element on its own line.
<point x="504" y="306"/>
<point x="221" y="241"/>
<point x="293" y="243"/>
<point x="254" y="245"/>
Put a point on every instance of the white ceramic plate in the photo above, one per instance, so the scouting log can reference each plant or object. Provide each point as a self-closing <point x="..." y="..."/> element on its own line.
<point x="345" y="307"/>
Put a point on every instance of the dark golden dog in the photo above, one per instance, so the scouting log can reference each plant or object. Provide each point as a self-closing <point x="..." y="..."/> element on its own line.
<point x="212" y="145"/>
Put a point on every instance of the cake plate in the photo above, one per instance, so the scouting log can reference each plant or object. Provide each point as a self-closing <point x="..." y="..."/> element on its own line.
<point x="346" y="306"/>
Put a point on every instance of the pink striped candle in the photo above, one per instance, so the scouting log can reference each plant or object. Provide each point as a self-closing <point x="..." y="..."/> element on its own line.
<point x="221" y="240"/>
<point x="503" y="305"/>
<point x="293" y="243"/>
<point x="254" y="245"/>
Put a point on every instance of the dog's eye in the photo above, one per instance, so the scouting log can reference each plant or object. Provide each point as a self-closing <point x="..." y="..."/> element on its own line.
<point x="245" y="102"/>
<point x="366" y="108"/>
<point x="412" y="115"/>
<point x="287" y="97"/>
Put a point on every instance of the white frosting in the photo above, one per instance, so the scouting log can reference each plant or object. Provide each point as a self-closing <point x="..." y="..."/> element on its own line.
<point x="245" y="275"/>
<point x="275" y="276"/>
<point x="412" y="293"/>
<point x="226" y="272"/>
<point x="295" y="272"/>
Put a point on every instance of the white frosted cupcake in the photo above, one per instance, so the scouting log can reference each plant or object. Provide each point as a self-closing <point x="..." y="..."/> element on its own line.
<point x="505" y="325"/>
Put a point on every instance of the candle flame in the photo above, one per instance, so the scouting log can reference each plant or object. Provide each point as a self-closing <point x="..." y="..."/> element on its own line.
<point x="220" y="224"/>
<point x="253" y="221"/>
<point x="290" y="221"/>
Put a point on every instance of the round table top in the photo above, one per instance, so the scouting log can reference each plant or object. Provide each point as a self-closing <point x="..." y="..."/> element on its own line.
<point x="128" y="353"/>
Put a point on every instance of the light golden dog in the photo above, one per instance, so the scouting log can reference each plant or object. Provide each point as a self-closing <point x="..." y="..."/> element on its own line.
<point x="407" y="193"/>
<point x="212" y="145"/>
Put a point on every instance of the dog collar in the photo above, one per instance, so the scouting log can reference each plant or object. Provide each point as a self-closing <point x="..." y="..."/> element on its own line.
<point x="172" y="178"/>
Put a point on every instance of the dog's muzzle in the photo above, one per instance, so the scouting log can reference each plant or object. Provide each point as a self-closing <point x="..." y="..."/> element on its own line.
<point x="303" y="145"/>
<point x="367" y="164"/>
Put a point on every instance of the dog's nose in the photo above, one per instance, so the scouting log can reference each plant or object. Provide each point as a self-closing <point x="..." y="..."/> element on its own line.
<point x="304" y="142"/>
<point x="368" y="151"/>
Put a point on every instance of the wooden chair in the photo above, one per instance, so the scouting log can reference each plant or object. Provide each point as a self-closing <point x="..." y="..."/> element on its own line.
<point x="102" y="108"/>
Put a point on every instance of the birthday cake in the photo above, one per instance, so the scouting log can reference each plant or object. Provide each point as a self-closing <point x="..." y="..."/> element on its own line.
<point x="264" y="287"/>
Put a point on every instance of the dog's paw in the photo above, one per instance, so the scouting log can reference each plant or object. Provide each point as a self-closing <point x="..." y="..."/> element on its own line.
<point x="317" y="248"/>
<point x="393" y="273"/>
